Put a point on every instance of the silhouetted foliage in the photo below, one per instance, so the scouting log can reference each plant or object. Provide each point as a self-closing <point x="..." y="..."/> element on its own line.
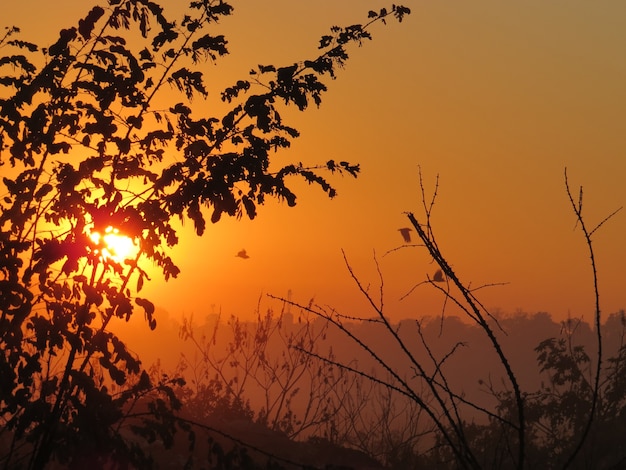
<point x="568" y="423"/>
<point x="251" y="380"/>
<point x="93" y="143"/>
<point x="558" y="410"/>
<point x="391" y="428"/>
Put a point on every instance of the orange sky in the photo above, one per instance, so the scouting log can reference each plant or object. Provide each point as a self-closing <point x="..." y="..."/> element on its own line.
<point x="495" y="97"/>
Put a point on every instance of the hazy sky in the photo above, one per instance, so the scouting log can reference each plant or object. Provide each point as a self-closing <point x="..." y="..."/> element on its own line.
<point x="495" y="97"/>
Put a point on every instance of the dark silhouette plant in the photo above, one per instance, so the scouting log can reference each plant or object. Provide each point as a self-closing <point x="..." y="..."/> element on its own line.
<point x="559" y="426"/>
<point x="91" y="139"/>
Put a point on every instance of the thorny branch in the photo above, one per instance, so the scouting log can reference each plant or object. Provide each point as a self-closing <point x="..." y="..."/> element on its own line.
<point x="578" y="211"/>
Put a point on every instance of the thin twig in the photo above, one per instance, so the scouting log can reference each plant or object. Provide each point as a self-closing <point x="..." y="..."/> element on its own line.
<point x="577" y="207"/>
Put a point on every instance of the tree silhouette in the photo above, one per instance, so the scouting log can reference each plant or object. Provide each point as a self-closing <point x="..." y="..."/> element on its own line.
<point x="95" y="141"/>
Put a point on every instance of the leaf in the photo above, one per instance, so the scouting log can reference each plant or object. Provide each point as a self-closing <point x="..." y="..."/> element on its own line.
<point x="146" y="305"/>
<point x="400" y="11"/>
<point x="180" y="108"/>
<point x="60" y="47"/>
<point x="228" y="121"/>
<point x="43" y="190"/>
<point x="85" y="26"/>
<point x="195" y="214"/>
<point x="209" y="45"/>
<point x="148" y="308"/>
<point x="326" y="41"/>
<point x="267" y="68"/>
<point x="135" y="121"/>
<point x="216" y="215"/>
<point x="24" y="45"/>
<point x="165" y="36"/>
<point x="189" y="82"/>
<point x="92" y="296"/>
<point x="18" y="61"/>
<point x="145" y="54"/>
<point x="249" y="206"/>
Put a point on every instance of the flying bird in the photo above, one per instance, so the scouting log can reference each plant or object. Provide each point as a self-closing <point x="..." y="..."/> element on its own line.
<point x="406" y="234"/>
<point x="438" y="277"/>
<point x="242" y="254"/>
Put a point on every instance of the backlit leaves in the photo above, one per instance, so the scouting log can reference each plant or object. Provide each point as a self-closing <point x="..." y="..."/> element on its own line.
<point x="209" y="46"/>
<point x="86" y="25"/>
<point x="148" y="308"/>
<point x="188" y="82"/>
<point x="96" y="142"/>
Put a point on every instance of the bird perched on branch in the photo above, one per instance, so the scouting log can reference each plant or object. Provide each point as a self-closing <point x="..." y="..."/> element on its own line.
<point x="406" y="234"/>
<point x="438" y="277"/>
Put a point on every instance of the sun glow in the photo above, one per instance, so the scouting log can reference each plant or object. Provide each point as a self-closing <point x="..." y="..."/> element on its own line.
<point x="114" y="245"/>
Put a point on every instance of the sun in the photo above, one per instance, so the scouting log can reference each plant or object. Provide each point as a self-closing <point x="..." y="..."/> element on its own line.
<point x="114" y="245"/>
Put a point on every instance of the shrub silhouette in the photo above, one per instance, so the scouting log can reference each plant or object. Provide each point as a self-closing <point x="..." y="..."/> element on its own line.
<point x="558" y="426"/>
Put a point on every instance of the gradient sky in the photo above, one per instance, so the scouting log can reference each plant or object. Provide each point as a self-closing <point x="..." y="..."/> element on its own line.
<point x="497" y="98"/>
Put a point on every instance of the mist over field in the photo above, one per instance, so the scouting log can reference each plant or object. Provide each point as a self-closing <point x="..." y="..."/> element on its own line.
<point x="295" y="382"/>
